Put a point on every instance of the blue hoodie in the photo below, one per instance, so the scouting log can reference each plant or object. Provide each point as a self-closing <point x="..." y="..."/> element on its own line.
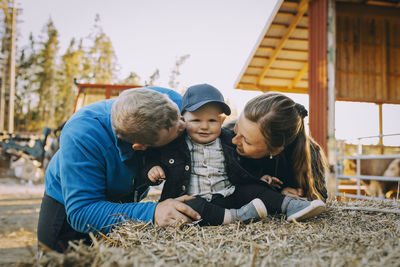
<point x="94" y="173"/>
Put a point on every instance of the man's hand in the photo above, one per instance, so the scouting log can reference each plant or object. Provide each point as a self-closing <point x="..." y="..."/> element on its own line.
<point x="172" y="212"/>
<point x="295" y="193"/>
<point x="156" y="173"/>
<point x="273" y="181"/>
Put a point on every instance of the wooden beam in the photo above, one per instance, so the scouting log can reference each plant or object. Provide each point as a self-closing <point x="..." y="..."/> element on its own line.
<point x="249" y="76"/>
<point x="274" y="77"/>
<point x="277" y="59"/>
<point x="380" y="3"/>
<point x="290" y="4"/>
<point x="264" y="88"/>
<point x="275" y="69"/>
<point x="268" y="48"/>
<point x="287" y="13"/>
<point x="285" y="70"/>
<point x="299" y="76"/>
<point x="274" y="38"/>
<point x="302" y="9"/>
<point x="281" y="78"/>
<point x="284" y="26"/>
<point x="284" y="89"/>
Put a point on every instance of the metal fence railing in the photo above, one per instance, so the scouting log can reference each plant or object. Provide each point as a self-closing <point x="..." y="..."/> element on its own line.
<point x="358" y="157"/>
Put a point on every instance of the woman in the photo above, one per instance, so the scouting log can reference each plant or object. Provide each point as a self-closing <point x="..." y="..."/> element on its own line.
<point x="271" y="139"/>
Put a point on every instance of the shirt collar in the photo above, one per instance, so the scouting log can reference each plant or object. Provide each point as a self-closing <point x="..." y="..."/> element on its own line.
<point x="195" y="143"/>
<point x="125" y="149"/>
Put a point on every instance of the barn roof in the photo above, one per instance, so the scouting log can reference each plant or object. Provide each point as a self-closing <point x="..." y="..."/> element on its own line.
<point x="279" y="60"/>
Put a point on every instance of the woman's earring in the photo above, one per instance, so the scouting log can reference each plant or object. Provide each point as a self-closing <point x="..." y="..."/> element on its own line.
<point x="270" y="156"/>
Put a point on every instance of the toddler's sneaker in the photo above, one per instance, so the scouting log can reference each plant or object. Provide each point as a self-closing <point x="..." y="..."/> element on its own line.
<point x="255" y="210"/>
<point x="300" y="209"/>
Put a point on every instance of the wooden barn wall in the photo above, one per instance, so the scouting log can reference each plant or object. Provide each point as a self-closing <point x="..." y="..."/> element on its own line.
<point x="368" y="53"/>
<point x="317" y="72"/>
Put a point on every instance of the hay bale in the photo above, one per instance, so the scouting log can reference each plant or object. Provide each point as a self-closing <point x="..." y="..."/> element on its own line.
<point x="339" y="237"/>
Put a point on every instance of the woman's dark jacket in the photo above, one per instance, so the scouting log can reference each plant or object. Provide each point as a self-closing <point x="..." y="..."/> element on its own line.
<point x="175" y="158"/>
<point x="281" y="166"/>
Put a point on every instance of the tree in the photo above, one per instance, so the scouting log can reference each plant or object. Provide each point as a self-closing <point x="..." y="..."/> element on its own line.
<point x="71" y="66"/>
<point x="173" y="83"/>
<point x="47" y="76"/>
<point x="102" y="60"/>
<point x="153" y="78"/>
<point x="132" y="79"/>
<point x="27" y="99"/>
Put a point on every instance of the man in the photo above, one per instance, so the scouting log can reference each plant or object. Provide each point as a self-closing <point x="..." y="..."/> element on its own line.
<point x="96" y="171"/>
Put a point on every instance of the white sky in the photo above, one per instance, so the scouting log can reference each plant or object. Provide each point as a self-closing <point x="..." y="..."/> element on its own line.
<point x="219" y="35"/>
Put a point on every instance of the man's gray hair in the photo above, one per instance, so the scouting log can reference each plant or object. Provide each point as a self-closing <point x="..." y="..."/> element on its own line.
<point x="138" y="115"/>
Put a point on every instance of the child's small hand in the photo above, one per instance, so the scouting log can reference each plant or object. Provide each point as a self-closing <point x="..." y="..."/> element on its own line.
<point x="155" y="174"/>
<point x="273" y="181"/>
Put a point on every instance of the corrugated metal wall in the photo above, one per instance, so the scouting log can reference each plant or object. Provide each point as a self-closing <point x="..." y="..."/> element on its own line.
<point x="317" y="72"/>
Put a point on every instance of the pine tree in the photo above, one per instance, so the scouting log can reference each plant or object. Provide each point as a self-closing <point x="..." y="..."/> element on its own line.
<point x="47" y="76"/>
<point x="72" y="65"/>
<point x="155" y="76"/>
<point x="132" y="79"/>
<point x="26" y="106"/>
<point x="102" y="58"/>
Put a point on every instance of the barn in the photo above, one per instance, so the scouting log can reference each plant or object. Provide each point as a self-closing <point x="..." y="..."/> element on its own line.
<point x="347" y="50"/>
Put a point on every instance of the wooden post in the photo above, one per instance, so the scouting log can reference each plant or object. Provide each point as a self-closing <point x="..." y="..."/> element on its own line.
<point x="381" y="147"/>
<point x="2" y="97"/>
<point x="12" y="73"/>
<point x="317" y="71"/>
<point x="331" y="35"/>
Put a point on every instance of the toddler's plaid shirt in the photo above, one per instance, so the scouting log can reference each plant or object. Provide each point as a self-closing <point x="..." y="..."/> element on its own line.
<point x="208" y="175"/>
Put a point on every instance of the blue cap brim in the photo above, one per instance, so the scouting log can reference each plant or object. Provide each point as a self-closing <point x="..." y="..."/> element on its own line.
<point x="225" y="108"/>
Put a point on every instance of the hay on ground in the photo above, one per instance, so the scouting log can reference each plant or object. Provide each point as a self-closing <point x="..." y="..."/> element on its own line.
<point x="353" y="233"/>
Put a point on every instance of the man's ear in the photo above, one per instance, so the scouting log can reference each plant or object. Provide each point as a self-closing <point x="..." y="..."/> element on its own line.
<point x="137" y="146"/>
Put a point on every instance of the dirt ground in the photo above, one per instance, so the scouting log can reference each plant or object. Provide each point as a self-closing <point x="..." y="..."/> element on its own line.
<point x="19" y="212"/>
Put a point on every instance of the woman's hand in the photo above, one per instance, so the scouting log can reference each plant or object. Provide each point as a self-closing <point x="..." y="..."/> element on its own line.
<point x="273" y="181"/>
<point x="295" y="193"/>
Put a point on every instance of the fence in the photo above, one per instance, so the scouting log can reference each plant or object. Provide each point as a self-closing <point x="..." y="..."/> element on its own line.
<point x="339" y="169"/>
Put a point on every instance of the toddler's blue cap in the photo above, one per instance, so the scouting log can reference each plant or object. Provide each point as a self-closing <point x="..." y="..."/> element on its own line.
<point x="198" y="95"/>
